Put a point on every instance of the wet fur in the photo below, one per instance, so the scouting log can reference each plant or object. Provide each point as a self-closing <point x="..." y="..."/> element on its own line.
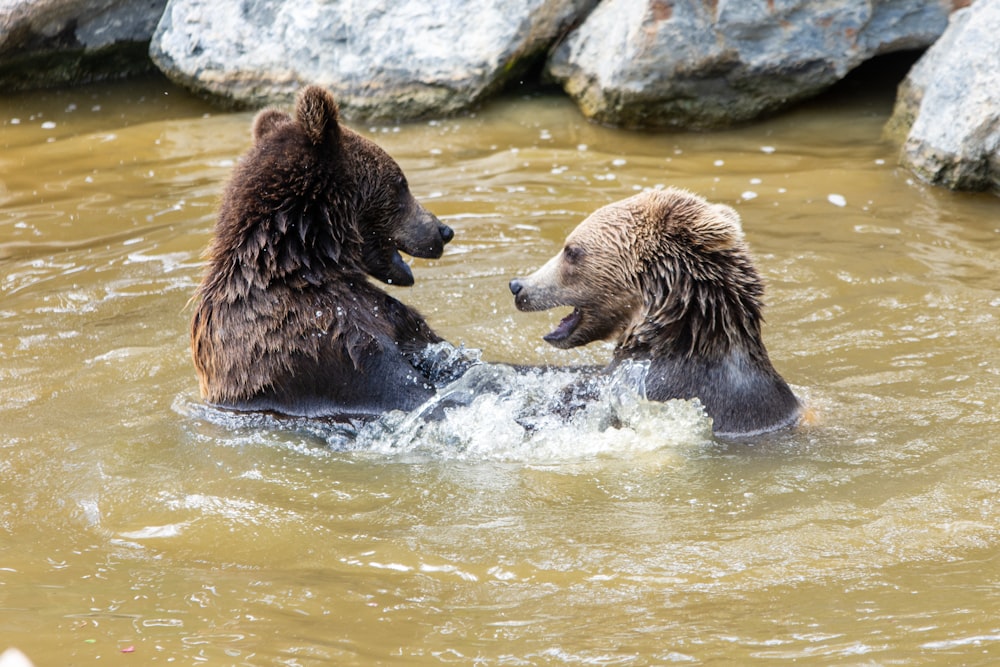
<point x="286" y="318"/>
<point x="668" y="276"/>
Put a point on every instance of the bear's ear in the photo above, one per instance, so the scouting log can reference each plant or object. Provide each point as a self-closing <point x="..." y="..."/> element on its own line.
<point x="318" y="115"/>
<point x="268" y="121"/>
<point x="730" y="215"/>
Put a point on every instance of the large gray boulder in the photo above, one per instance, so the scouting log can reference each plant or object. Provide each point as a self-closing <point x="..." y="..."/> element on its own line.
<point x="381" y="58"/>
<point x="948" y="108"/>
<point x="53" y="42"/>
<point x="697" y="65"/>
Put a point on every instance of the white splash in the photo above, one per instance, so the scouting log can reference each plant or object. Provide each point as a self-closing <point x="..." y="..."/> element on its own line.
<point x="498" y="412"/>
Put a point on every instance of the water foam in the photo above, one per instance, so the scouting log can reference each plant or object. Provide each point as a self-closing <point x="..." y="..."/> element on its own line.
<point x="489" y="411"/>
<point x="501" y="412"/>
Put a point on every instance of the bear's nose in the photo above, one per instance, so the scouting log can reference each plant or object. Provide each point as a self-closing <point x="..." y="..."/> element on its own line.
<point x="515" y="286"/>
<point x="446" y="232"/>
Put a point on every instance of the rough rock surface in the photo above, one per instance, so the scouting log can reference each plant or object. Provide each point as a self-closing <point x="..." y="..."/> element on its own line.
<point x="381" y="59"/>
<point x="52" y="42"/>
<point x="699" y="65"/>
<point x="948" y="107"/>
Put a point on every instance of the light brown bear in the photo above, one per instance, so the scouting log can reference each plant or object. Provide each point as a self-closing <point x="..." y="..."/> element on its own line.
<point x="286" y="319"/>
<point x="668" y="276"/>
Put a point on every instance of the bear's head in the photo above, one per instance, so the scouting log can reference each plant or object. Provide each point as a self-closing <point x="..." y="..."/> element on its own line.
<point x="314" y="172"/>
<point x="663" y="273"/>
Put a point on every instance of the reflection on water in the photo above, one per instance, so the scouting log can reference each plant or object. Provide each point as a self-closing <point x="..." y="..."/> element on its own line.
<point x="137" y="524"/>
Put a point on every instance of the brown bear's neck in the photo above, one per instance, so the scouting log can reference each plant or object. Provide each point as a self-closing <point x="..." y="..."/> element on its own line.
<point x="288" y="242"/>
<point x="701" y="333"/>
<point x="693" y="311"/>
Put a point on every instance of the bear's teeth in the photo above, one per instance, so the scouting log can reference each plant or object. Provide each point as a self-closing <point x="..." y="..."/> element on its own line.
<point x="565" y="328"/>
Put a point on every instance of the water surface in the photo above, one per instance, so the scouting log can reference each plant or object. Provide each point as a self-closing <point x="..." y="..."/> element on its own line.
<point x="137" y="528"/>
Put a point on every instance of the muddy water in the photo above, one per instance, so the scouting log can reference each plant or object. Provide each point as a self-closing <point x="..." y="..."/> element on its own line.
<point x="137" y="528"/>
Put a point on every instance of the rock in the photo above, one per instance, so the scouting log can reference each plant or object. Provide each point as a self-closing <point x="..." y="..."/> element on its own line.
<point x="948" y="107"/>
<point x="700" y="65"/>
<point x="55" y="42"/>
<point x="381" y="59"/>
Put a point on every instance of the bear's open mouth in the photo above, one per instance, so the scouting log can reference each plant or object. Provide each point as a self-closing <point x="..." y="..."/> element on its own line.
<point x="399" y="272"/>
<point x="566" y="327"/>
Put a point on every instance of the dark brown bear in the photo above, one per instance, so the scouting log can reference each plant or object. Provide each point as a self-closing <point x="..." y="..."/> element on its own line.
<point x="286" y="319"/>
<point x="668" y="276"/>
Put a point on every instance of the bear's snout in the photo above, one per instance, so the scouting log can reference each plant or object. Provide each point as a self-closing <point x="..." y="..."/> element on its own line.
<point x="526" y="295"/>
<point x="446" y="232"/>
<point x="423" y="235"/>
<point x="517" y="288"/>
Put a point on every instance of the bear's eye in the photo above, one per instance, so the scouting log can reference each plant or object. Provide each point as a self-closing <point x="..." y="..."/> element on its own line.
<point x="573" y="253"/>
